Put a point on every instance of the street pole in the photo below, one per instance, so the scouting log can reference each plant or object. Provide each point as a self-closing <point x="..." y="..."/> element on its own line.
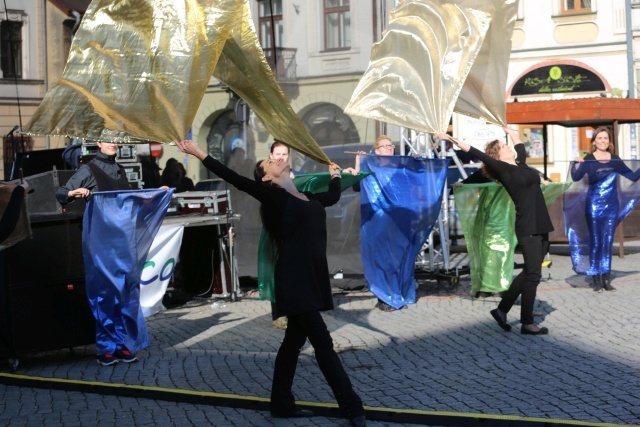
<point x="631" y="72"/>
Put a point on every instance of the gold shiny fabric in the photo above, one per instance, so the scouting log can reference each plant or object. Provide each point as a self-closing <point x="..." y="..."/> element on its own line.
<point x="138" y="70"/>
<point x="483" y="94"/>
<point x="244" y="68"/>
<point x="424" y="64"/>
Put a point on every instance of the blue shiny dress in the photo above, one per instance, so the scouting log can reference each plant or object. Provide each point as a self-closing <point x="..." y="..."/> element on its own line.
<point x="602" y="208"/>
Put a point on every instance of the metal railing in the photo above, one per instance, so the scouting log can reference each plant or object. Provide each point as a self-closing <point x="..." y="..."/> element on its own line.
<point x="283" y="63"/>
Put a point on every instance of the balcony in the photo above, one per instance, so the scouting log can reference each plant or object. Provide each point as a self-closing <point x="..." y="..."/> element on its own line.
<point x="285" y="59"/>
<point x="283" y="64"/>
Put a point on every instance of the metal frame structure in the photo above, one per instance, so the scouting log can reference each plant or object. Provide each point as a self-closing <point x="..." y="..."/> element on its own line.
<point x="434" y="262"/>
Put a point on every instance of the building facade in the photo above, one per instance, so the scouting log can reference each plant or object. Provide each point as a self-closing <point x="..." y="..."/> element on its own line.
<point x="319" y="49"/>
<point x="35" y="37"/>
<point x="324" y="47"/>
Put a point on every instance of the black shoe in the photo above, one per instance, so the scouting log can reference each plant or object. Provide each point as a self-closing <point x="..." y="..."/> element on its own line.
<point x="358" y="421"/>
<point x="541" y="331"/>
<point x="106" y="359"/>
<point x="296" y="413"/>
<point x="502" y="322"/>
<point x="606" y="283"/>
<point x="597" y="283"/>
<point x="124" y="355"/>
<point x="383" y="306"/>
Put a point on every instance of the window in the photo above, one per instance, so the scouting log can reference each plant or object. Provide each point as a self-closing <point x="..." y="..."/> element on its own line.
<point x="337" y="24"/>
<point x="11" y="49"/>
<point x="575" y="6"/>
<point x="267" y="17"/>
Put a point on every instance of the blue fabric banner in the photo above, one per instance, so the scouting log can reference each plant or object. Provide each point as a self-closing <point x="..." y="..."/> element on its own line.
<point x="400" y="204"/>
<point x="603" y="194"/>
<point x="118" y="229"/>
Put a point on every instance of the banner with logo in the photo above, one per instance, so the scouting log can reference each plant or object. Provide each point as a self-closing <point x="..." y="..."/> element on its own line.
<point x="159" y="268"/>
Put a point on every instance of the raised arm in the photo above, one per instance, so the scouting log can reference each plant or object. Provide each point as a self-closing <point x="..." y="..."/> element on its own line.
<point x="242" y="183"/>
<point x="521" y="152"/>
<point x="332" y="196"/>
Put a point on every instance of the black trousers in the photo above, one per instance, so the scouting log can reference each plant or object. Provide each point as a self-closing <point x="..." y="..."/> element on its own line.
<point x="300" y="327"/>
<point x="526" y="283"/>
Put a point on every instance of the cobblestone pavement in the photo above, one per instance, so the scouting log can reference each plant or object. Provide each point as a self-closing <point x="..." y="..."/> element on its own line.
<point x="444" y="353"/>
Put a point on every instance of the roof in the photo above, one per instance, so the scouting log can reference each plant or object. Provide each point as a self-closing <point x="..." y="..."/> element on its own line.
<point x="575" y="112"/>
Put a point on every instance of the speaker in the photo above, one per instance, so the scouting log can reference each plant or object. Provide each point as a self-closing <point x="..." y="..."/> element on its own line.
<point x="43" y="304"/>
<point x="41" y="200"/>
<point x="34" y="162"/>
<point x="47" y="316"/>
<point x="53" y="255"/>
<point x="203" y="268"/>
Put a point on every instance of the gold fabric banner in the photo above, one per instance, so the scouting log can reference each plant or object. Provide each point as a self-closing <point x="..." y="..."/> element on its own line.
<point x="483" y="94"/>
<point x="138" y="70"/>
<point x="437" y="56"/>
<point x="417" y="70"/>
<point x="244" y="68"/>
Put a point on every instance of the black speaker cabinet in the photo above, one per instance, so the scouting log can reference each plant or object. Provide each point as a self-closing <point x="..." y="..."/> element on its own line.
<point x="41" y="201"/>
<point x="43" y="305"/>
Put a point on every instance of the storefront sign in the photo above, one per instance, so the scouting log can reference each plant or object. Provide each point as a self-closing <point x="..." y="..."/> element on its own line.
<point x="559" y="78"/>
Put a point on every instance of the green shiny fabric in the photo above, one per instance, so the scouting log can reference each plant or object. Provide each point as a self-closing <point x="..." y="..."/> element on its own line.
<point x="267" y="249"/>
<point x="487" y="215"/>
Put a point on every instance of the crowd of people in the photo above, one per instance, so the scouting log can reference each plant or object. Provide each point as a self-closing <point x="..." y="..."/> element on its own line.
<point x="294" y="225"/>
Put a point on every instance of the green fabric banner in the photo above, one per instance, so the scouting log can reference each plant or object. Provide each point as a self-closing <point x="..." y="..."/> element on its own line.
<point x="487" y="215"/>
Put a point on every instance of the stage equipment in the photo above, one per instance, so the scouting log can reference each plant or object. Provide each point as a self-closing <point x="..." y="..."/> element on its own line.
<point x="209" y="265"/>
<point x="433" y="261"/>
<point x="207" y="259"/>
<point x="202" y="202"/>
<point x="41" y="201"/>
<point x="43" y="305"/>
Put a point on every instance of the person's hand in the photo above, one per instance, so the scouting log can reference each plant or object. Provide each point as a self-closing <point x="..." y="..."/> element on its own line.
<point x="291" y="175"/>
<point x="509" y="131"/>
<point x="334" y="169"/>
<point x="359" y="156"/>
<point x="513" y="134"/>
<point x="545" y="182"/>
<point x="189" y="147"/>
<point x="164" y="187"/>
<point x="79" y="192"/>
<point x="352" y="171"/>
<point x="579" y="159"/>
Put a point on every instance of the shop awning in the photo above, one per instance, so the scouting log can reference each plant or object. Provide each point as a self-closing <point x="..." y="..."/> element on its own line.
<point x="575" y="112"/>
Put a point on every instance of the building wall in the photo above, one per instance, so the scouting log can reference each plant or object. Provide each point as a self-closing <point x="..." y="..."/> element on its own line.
<point x="597" y="40"/>
<point x="19" y="99"/>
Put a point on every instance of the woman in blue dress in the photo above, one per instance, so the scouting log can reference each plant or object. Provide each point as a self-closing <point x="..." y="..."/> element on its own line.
<point x="602" y="168"/>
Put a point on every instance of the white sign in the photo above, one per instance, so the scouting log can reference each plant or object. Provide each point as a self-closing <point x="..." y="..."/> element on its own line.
<point x="159" y="268"/>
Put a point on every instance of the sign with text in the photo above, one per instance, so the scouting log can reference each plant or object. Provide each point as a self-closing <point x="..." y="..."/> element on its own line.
<point x="559" y="78"/>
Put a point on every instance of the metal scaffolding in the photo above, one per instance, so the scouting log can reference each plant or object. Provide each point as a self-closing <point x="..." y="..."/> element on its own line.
<point x="433" y="261"/>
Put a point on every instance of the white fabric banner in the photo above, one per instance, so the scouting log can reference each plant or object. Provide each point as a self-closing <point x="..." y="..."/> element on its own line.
<point x="159" y="268"/>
